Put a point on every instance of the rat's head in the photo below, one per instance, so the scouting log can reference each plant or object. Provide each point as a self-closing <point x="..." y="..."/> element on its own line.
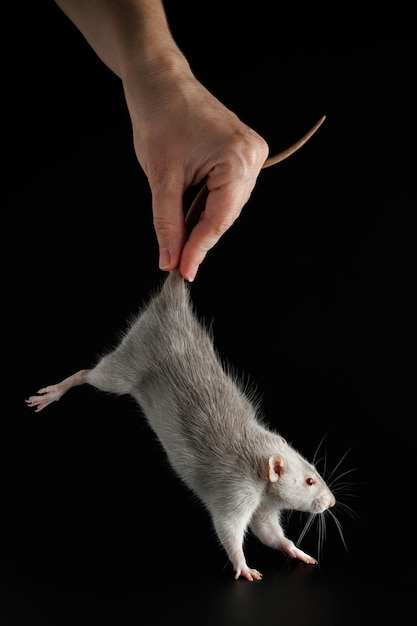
<point x="296" y="483"/>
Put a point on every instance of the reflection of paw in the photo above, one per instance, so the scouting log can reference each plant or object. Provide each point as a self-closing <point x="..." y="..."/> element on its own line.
<point x="46" y="396"/>
<point x="248" y="573"/>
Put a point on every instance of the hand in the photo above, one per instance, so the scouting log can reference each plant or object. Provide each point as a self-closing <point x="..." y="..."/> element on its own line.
<point x="183" y="135"/>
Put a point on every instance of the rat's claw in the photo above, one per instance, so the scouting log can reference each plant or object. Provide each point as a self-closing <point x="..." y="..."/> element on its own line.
<point x="249" y="574"/>
<point x="46" y="396"/>
<point x="36" y="402"/>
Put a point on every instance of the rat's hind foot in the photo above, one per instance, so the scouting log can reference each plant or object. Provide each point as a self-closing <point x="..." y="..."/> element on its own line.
<point x="52" y="393"/>
<point x="46" y="396"/>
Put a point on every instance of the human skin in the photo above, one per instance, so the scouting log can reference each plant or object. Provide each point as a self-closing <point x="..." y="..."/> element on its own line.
<point x="182" y="133"/>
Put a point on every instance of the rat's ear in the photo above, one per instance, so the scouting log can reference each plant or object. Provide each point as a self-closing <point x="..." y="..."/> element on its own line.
<point x="276" y="467"/>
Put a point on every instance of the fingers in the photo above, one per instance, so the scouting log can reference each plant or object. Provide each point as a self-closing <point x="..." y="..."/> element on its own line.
<point x="169" y="224"/>
<point x="224" y="204"/>
<point x="225" y="201"/>
<point x="230" y="167"/>
<point x="223" y="207"/>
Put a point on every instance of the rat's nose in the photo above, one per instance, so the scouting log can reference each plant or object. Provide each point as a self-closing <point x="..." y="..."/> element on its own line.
<point x="332" y="501"/>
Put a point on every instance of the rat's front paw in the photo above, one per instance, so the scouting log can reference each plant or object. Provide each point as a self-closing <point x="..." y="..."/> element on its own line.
<point x="295" y="553"/>
<point x="248" y="573"/>
<point x="303" y="556"/>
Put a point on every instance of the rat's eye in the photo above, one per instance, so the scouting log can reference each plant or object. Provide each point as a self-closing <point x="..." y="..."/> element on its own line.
<point x="310" y="481"/>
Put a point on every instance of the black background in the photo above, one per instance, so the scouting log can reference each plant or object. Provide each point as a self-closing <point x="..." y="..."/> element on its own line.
<point x="310" y="294"/>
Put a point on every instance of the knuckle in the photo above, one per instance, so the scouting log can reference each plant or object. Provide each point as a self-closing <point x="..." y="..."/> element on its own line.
<point x="164" y="225"/>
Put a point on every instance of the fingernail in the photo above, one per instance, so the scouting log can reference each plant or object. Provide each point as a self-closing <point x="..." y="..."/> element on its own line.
<point x="192" y="273"/>
<point x="164" y="259"/>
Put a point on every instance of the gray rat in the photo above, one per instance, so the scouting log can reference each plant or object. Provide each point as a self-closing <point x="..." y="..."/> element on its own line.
<point x="207" y="421"/>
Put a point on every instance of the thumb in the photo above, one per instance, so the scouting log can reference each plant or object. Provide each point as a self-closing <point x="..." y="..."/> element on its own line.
<point x="169" y="225"/>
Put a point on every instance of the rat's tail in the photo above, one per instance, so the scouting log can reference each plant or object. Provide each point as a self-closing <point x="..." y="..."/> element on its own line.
<point x="198" y="205"/>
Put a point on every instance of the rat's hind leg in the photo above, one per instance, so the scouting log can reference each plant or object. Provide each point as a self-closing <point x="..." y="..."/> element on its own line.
<point x="110" y="374"/>
<point x="52" y="393"/>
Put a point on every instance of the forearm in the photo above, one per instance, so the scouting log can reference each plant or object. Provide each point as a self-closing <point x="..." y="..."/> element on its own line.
<point x="129" y="36"/>
<point x="182" y="133"/>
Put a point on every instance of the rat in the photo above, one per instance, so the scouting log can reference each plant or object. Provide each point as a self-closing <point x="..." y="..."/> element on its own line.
<point x="208" y="423"/>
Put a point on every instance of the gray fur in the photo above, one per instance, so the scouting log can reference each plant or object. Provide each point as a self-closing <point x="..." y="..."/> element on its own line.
<point x="208" y="423"/>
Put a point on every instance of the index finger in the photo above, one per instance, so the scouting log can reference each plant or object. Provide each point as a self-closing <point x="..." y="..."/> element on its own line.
<point x="206" y="224"/>
<point x="204" y="233"/>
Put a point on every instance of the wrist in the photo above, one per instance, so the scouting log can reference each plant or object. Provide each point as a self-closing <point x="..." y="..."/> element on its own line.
<point x="158" y="74"/>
